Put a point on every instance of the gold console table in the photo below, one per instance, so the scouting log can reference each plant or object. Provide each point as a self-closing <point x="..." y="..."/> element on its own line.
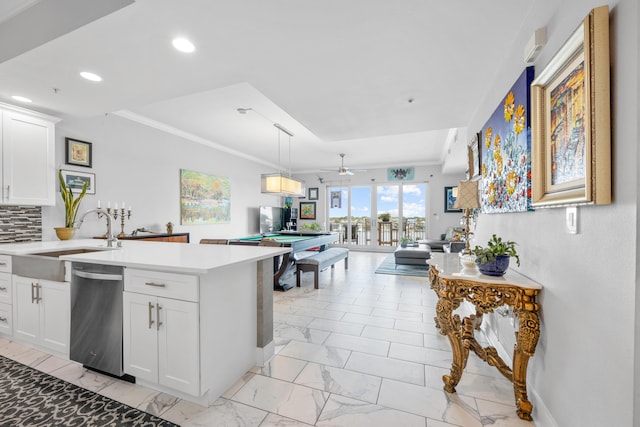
<point x="453" y="285"/>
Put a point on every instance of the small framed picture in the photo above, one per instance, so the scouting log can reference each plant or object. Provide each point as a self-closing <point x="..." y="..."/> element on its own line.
<point x="75" y="181"/>
<point x="78" y="152"/>
<point x="307" y="210"/>
<point x="313" y="193"/>
<point x="450" y="196"/>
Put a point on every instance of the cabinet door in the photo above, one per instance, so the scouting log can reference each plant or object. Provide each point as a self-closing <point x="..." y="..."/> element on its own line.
<point x="28" y="160"/>
<point x="26" y="311"/>
<point x="178" y="350"/>
<point x="6" y="319"/>
<point x="55" y="313"/>
<point x="5" y="288"/>
<point x="140" y="336"/>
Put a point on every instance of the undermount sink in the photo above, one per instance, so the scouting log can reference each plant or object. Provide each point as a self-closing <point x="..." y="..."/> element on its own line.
<point x="46" y="265"/>
<point x="56" y="254"/>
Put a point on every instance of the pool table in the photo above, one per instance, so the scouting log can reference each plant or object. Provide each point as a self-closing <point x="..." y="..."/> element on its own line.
<point x="297" y="241"/>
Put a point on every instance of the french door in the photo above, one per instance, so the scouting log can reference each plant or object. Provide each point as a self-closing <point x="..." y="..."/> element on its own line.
<point x="377" y="215"/>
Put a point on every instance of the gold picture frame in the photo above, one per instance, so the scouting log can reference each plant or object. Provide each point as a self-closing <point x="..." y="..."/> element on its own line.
<point x="571" y="132"/>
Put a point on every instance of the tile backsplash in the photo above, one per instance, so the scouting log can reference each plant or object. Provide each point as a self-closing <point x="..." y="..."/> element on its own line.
<point x="20" y="224"/>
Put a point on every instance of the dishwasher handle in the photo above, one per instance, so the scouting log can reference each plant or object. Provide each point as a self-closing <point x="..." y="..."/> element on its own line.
<point x="97" y="276"/>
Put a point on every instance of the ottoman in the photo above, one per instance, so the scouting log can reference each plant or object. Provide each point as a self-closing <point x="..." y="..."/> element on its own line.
<point x="412" y="255"/>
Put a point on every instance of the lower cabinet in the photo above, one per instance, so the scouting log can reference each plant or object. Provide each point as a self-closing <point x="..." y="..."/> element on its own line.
<point x="161" y="337"/>
<point x="41" y="311"/>
<point x="6" y="317"/>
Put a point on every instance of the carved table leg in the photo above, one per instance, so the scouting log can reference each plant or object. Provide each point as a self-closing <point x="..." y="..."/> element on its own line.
<point x="526" y="340"/>
<point x="450" y="326"/>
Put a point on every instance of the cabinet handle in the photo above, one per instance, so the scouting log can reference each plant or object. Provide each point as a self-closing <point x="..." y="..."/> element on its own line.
<point x="3" y="319"/>
<point x="150" y="315"/>
<point x="33" y="293"/>
<point x="38" y="297"/>
<point x="158" y="308"/>
<point x="3" y="264"/>
<point x="157" y="285"/>
<point x="3" y="288"/>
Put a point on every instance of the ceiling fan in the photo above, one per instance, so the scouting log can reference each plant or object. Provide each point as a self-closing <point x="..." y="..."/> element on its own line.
<point x="343" y="170"/>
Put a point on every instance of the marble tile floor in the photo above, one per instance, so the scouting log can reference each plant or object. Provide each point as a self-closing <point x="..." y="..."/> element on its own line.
<point x="360" y="351"/>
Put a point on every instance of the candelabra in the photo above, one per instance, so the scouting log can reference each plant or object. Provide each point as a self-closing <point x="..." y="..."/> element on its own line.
<point x="124" y="214"/>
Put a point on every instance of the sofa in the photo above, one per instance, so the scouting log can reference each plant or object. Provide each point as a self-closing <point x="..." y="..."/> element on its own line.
<point x="453" y="239"/>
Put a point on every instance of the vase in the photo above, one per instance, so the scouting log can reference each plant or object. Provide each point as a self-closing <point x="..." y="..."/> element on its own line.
<point x="65" y="233"/>
<point x="497" y="267"/>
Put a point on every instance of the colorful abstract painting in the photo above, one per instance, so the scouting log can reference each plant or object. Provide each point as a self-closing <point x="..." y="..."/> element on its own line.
<point x="506" y="152"/>
<point x="204" y="199"/>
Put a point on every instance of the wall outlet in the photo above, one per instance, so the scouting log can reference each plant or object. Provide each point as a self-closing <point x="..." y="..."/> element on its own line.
<point x="572" y="219"/>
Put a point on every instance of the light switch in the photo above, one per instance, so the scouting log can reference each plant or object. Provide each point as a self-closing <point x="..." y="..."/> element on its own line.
<point x="572" y="220"/>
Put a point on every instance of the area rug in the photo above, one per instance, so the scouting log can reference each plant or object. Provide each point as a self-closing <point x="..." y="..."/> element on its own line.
<point x="29" y="397"/>
<point x="388" y="266"/>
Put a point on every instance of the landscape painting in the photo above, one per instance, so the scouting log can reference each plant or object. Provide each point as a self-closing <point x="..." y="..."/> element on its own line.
<point x="204" y="199"/>
<point x="506" y="152"/>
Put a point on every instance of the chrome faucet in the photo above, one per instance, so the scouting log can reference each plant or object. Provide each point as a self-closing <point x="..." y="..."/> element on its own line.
<point x="111" y="238"/>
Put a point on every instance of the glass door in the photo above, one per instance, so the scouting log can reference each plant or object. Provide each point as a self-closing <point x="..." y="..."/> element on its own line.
<point x="414" y="211"/>
<point x="360" y="218"/>
<point x="338" y="213"/>
<point x="388" y="208"/>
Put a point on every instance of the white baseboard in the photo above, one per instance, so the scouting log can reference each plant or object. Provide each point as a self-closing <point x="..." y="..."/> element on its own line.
<point x="541" y="415"/>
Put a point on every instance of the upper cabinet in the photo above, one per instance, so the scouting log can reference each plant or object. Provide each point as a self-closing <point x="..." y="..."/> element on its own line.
<point x="28" y="157"/>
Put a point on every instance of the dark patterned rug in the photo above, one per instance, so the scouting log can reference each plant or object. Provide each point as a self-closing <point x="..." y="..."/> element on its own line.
<point x="29" y="397"/>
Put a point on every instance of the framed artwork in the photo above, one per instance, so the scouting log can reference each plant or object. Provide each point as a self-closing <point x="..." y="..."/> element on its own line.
<point x="336" y="199"/>
<point x="204" y="199"/>
<point x="505" y="184"/>
<point x="75" y="181"/>
<point x="571" y="122"/>
<point x="313" y="193"/>
<point x="450" y="195"/>
<point x="400" y="174"/>
<point x="475" y="163"/>
<point x="78" y="152"/>
<point x="307" y="210"/>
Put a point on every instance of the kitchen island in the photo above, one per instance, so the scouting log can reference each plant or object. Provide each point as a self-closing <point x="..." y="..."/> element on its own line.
<point x="196" y="317"/>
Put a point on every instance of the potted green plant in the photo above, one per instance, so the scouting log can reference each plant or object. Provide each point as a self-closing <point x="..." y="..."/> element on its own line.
<point x="384" y="217"/>
<point x="71" y="205"/>
<point x="493" y="260"/>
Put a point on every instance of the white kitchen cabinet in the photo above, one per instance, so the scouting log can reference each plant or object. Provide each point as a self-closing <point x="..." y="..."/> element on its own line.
<point x="161" y="335"/>
<point x="28" y="157"/>
<point x="6" y="319"/>
<point x="41" y="313"/>
<point x="6" y="311"/>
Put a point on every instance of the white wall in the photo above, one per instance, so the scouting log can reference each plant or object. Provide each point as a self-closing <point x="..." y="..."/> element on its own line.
<point x="141" y="166"/>
<point x="437" y="219"/>
<point x="583" y="371"/>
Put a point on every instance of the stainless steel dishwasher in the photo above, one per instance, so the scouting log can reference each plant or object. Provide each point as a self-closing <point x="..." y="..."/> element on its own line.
<point x="96" y="316"/>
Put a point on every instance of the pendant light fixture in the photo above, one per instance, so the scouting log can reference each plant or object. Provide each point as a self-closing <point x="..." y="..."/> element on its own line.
<point x="279" y="183"/>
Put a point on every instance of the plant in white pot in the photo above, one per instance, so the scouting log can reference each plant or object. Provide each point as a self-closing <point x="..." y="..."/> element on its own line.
<point x="493" y="260"/>
<point x="71" y="205"/>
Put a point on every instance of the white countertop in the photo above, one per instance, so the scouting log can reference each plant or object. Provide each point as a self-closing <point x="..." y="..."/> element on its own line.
<point x="162" y="256"/>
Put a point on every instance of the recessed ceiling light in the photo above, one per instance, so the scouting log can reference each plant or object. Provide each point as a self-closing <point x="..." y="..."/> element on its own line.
<point x="21" y="98"/>
<point x="91" y="76"/>
<point x="183" y="45"/>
